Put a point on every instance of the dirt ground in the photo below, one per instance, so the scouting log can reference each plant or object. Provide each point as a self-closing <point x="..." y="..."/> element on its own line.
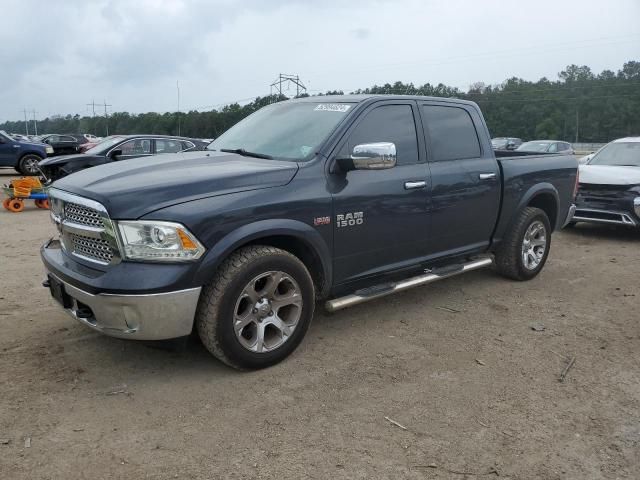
<point x="456" y="363"/>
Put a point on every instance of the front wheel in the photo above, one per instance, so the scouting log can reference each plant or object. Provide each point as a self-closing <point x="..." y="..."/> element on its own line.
<point x="524" y="250"/>
<point x="257" y="309"/>
<point x="28" y="165"/>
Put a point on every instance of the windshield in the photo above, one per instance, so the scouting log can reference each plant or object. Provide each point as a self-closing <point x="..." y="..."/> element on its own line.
<point x="285" y="131"/>
<point x="534" y="146"/>
<point x="499" y="142"/>
<point x="103" y="146"/>
<point x="5" y="135"/>
<point x="623" y="153"/>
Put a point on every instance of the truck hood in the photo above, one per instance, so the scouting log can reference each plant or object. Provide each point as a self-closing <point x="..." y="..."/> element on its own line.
<point x="132" y="188"/>
<point x="609" y="175"/>
<point x="64" y="159"/>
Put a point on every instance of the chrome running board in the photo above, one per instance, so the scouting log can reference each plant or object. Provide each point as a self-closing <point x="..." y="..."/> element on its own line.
<point x="383" y="290"/>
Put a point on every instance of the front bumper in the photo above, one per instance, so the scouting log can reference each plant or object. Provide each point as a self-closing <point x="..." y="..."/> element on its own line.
<point x="592" y="215"/>
<point x="572" y="211"/>
<point x="156" y="316"/>
<point x="131" y="300"/>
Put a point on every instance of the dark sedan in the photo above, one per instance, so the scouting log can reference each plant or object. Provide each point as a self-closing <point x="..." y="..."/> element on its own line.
<point x="115" y="149"/>
<point x="64" y="144"/>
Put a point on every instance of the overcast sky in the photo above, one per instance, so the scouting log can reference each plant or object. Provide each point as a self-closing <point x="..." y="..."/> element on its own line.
<point x="57" y="56"/>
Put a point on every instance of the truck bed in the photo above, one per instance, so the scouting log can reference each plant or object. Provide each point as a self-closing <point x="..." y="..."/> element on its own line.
<point x="524" y="175"/>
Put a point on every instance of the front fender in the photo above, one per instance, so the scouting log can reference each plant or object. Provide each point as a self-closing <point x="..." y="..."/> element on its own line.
<point x="261" y="229"/>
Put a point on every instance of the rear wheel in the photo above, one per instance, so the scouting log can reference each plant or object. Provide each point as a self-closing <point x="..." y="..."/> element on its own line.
<point x="257" y="309"/>
<point x="44" y="204"/>
<point x="28" y="164"/>
<point x="525" y="249"/>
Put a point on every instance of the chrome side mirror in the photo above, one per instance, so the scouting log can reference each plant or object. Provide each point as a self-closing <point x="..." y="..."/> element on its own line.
<point x="370" y="156"/>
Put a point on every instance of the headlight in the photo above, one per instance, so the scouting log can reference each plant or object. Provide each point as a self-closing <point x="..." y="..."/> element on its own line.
<point x="49" y="149"/>
<point x="636" y="205"/>
<point x="158" y="241"/>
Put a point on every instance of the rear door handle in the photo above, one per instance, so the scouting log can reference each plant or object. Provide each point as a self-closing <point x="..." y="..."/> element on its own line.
<point x="487" y="176"/>
<point x="414" y="185"/>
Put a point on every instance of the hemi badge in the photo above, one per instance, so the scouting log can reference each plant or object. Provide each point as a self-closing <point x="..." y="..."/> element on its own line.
<point x="321" y="221"/>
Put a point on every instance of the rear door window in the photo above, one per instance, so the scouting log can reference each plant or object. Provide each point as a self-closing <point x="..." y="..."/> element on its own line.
<point x="452" y="134"/>
<point x="168" y="146"/>
<point x="136" y="147"/>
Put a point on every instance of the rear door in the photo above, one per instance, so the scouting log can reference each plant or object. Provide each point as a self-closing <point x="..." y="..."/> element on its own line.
<point x="380" y="220"/>
<point x="465" y="177"/>
<point x="67" y="144"/>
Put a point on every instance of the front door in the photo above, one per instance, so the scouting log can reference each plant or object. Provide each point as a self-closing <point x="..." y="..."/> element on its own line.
<point x="465" y="191"/>
<point x="380" y="216"/>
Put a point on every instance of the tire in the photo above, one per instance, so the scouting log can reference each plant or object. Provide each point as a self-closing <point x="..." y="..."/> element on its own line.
<point x="257" y="309"/>
<point x="510" y="255"/>
<point x="5" y="203"/>
<point x="43" y="204"/>
<point x="28" y="165"/>
<point x="16" y="205"/>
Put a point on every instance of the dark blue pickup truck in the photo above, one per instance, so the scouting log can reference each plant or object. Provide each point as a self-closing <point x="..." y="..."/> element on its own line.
<point x="341" y="199"/>
<point x="22" y="155"/>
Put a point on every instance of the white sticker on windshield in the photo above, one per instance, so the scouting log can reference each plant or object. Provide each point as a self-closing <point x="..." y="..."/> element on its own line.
<point x="333" y="107"/>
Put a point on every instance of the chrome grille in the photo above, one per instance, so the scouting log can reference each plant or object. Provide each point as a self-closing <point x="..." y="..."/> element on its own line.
<point x="86" y="231"/>
<point x="93" y="248"/>
<point x="82" y="215"/>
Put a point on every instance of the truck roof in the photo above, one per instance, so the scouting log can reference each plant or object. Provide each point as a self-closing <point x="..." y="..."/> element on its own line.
<point x="627" y="140"/>
<point x="364" y="97"/>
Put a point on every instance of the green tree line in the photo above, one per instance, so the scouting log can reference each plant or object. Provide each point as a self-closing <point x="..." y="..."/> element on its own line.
<point x="580" y="104"/>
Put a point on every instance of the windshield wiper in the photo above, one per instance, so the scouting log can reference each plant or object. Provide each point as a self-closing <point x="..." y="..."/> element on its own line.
<point x="245" y="153"/>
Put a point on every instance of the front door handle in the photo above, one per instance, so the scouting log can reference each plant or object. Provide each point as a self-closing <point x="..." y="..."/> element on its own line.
<point x="487" y="176"/>
<point x="414" y="185"/>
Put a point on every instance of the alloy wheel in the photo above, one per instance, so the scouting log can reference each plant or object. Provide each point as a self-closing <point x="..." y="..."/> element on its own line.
<point x="534" y="245"/>
<point x="267" y="311"/>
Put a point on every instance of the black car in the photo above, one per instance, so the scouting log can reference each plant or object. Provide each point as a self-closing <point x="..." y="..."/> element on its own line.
<point x="505" y="143"/>
<point x="64" y="144"/>
<point x="115" y="149"/>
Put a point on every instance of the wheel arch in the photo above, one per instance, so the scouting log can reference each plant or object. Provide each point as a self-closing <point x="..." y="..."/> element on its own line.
<point x="31" y="152"/>
<point x="293" y="236"/>
<point x="545" y="197"/>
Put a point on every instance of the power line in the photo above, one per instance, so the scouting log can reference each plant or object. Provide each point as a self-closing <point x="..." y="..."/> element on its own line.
<point x="564" y="88"/>
<point x="558" y="99"/>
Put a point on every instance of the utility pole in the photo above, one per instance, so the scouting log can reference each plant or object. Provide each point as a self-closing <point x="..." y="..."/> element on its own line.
<point x="26" y="124"/>
<point x="93" y="106"/>
<point x="106" y="114"/>
<point x="577" y="123"/>
<point x="178" y="88"/>
<point x="288" y="80"/>
<point x="35" y="122"/>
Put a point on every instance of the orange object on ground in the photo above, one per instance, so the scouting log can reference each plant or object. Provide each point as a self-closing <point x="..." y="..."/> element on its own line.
<point x="22" y="187"/>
